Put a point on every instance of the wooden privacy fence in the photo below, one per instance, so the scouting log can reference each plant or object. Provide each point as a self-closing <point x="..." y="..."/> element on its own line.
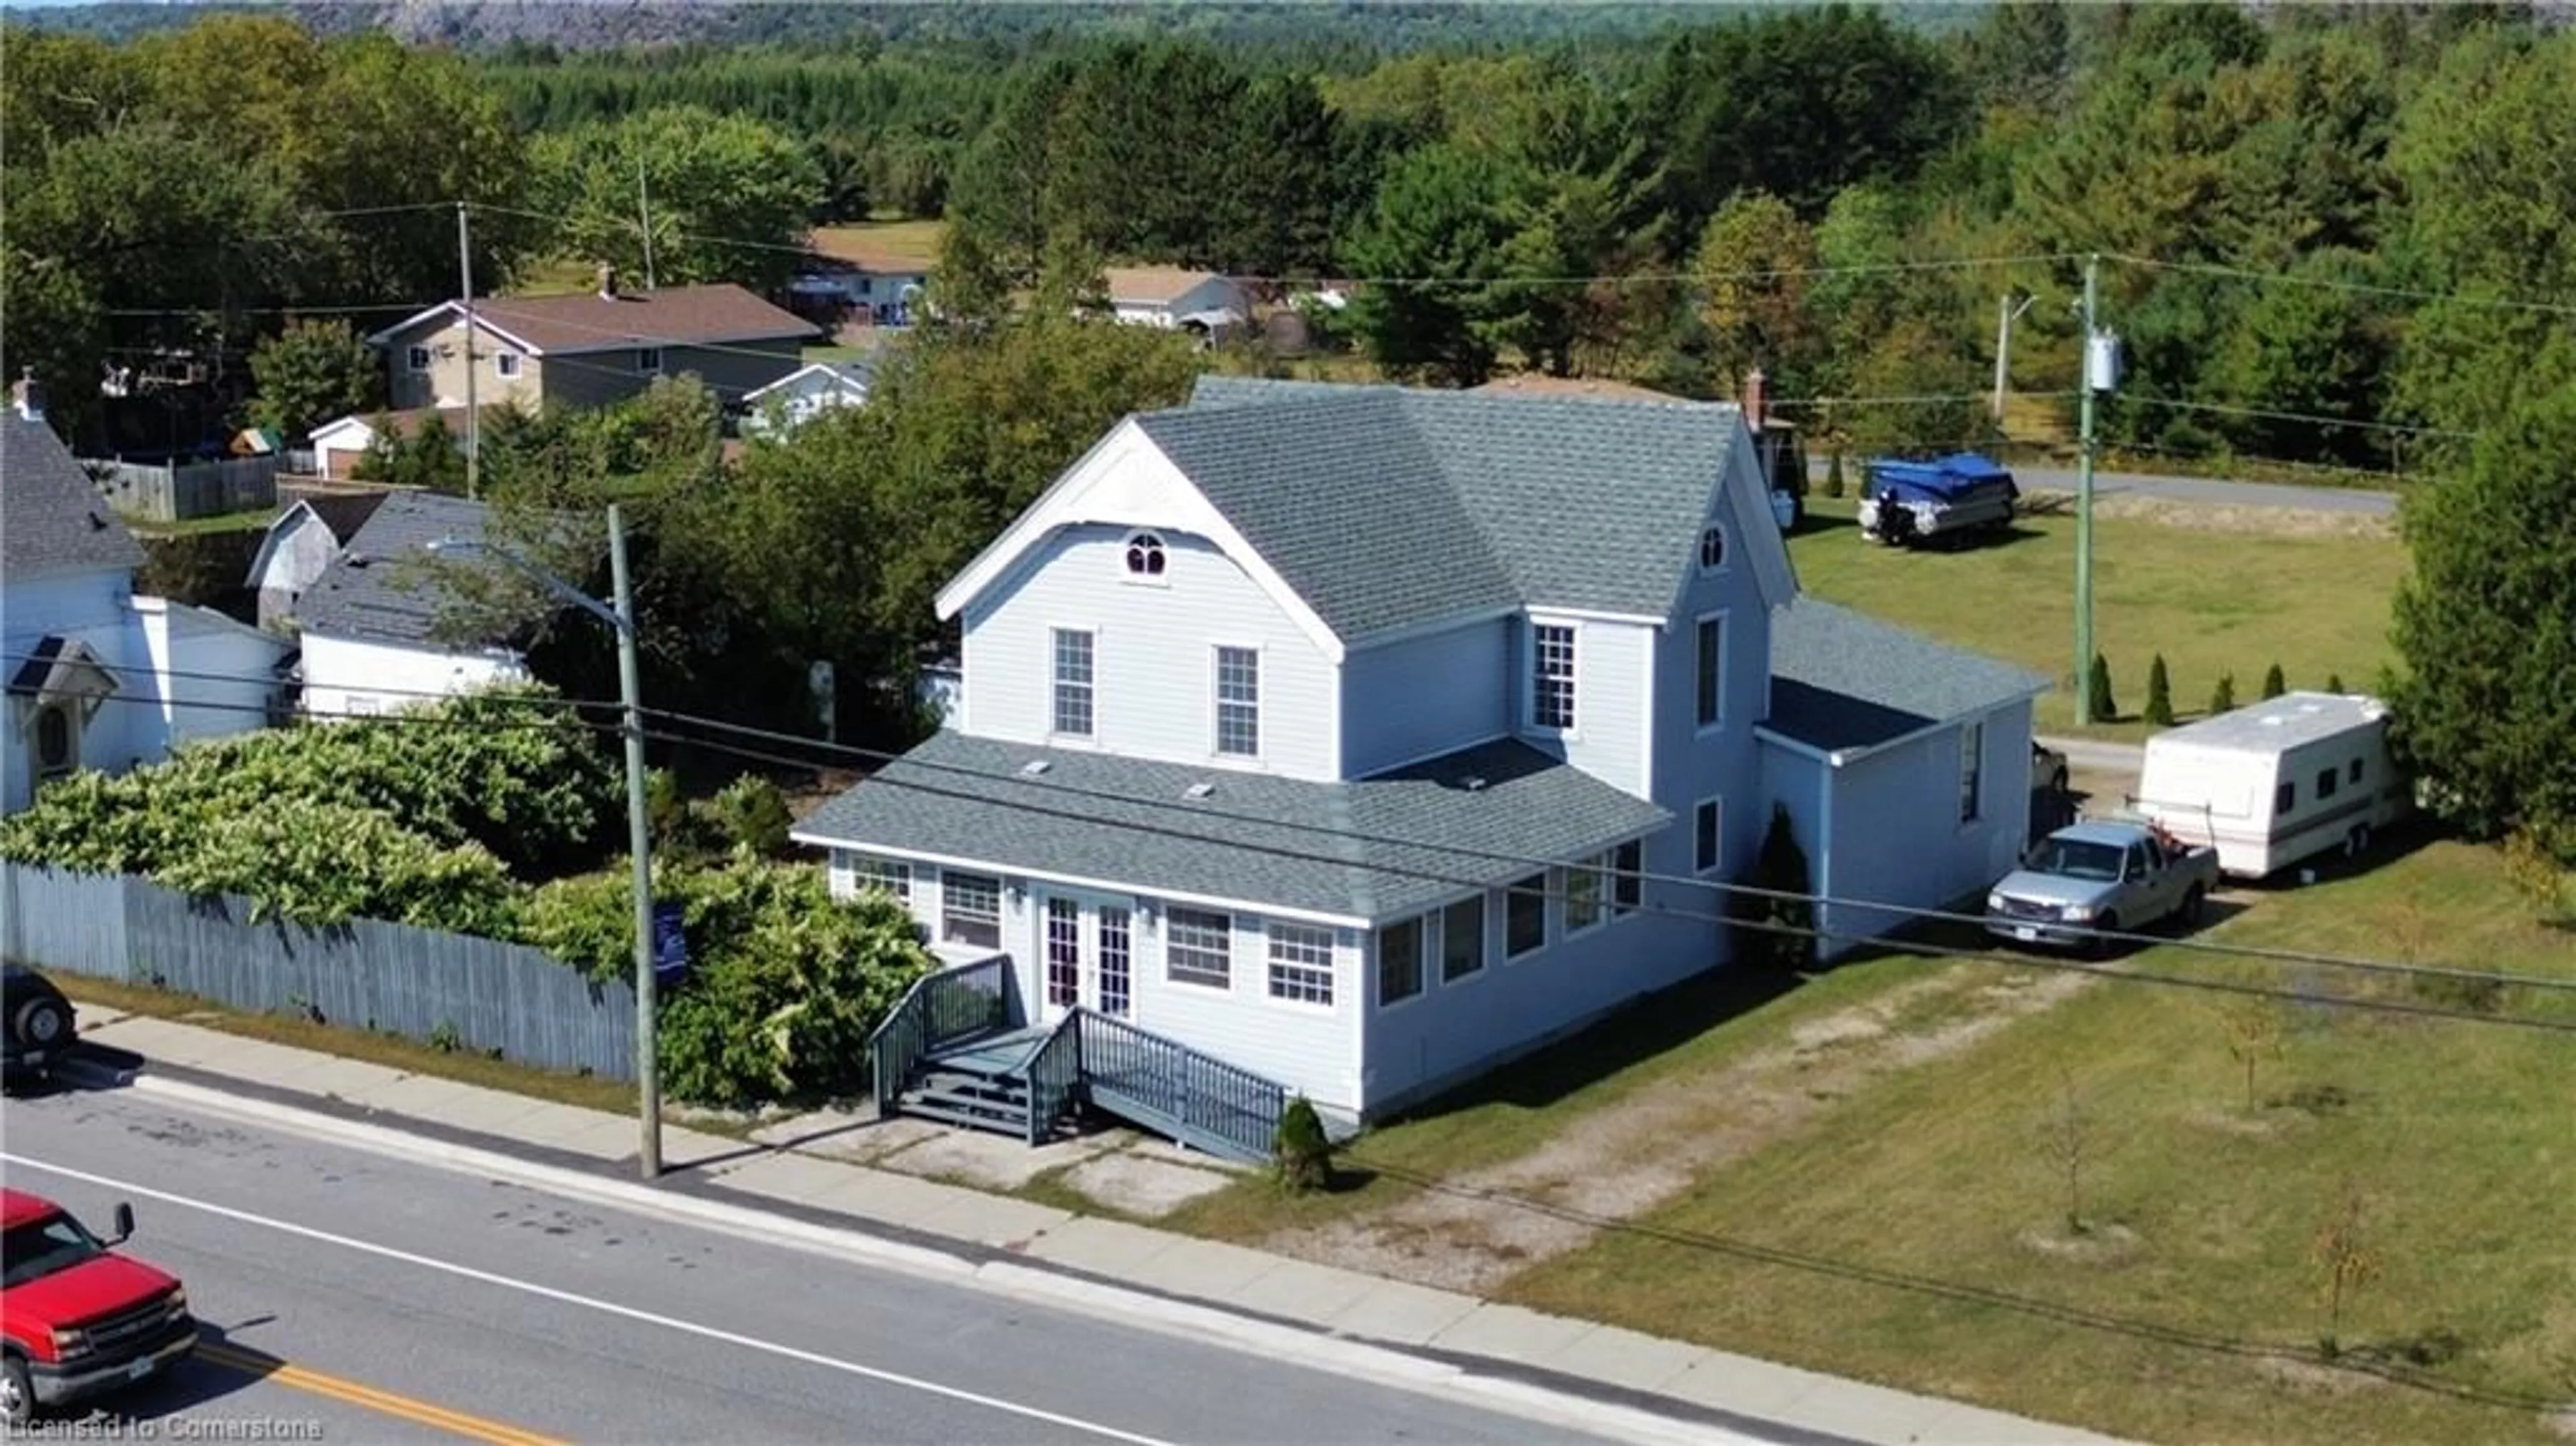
<point x="185" y="490"/>
<point x="367" y="974"/>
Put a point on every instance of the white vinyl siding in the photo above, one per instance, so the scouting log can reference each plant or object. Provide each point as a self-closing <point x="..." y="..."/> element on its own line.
<point x="1154" y="679"/>
<point x="1073" y="682"/>
<point x="1301" y="963"/>
<point x="1238" y="702"/>
<point x="970" y="909"/>
<point x="1198" y="948"/>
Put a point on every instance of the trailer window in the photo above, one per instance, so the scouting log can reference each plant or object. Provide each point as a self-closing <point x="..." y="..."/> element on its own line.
<point x="2325" y="785"/>
<point x="2353" y="774"/>
<point x="2285" y="798"/>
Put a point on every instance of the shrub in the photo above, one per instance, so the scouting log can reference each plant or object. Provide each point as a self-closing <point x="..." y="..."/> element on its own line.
<point x="1302" y="1150"/>
<point x="1776" y="933"/>
<point x="2104" y="710"/>
<point x="2334" y="682"/>
<point x="753" y="815"/>
<point x="1834" y="475"/>
<point x="2159" y="694"/>
<point x="2222" y="699"/>
<point x="2274" y="684"/>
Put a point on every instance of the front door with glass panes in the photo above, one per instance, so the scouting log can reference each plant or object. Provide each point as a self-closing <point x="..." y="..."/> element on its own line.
<point x="1086" y="954"/>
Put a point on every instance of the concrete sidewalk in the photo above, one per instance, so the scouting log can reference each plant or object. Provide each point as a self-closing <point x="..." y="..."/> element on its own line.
<point x="1618" y="1367"/>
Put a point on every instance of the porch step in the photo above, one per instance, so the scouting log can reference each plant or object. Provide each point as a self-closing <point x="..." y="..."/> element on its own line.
<point x="967" y="1119"/>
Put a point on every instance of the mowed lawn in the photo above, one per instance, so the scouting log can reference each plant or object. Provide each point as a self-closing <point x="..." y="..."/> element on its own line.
<point x="906" y="241"/>
<point x="2211" y="601"/>
<point x="1916" y="1233"/>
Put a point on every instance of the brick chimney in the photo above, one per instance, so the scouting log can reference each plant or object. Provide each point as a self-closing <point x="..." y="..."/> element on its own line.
<point x="27" y="396"/>
<point x="1757" y="398"/>
<point x="607" y="282"/>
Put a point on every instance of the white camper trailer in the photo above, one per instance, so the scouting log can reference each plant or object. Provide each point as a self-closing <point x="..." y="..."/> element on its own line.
<point x="2276" y="782"/>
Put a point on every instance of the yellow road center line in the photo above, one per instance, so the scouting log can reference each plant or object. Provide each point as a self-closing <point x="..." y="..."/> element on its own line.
<point x="304" y="1378"/>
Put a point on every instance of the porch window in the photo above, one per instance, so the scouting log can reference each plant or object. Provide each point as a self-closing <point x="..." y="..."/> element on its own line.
<point x="1238" y="702"/>
<point x="1301" y="963"/>
<point x="1198" y="948"/>
<point x="1073" y="698"/>
<point x="1462" y="939"/>
<point x="1525" y="916"/>
<point x="892" y="876"/>
<point x="970" y="910"/>
<point x="1972" y="771"/>
<point x="1583" y="893"/>
<point x="1627" y="877"/>
<point x="1399" y="962"/>
<point x="1552" y="675"/>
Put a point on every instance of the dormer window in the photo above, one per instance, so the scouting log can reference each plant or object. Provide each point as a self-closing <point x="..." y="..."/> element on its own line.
<point x="1712" y="549"/>
<point x="1145" y="560"/>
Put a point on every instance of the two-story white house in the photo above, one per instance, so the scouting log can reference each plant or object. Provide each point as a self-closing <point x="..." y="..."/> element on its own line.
<point x="1364" y="737"/>
<point x="99" y="677"/>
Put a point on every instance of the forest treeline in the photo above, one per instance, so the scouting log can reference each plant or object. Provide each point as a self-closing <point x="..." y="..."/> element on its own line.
<point x="2331" y="234"/>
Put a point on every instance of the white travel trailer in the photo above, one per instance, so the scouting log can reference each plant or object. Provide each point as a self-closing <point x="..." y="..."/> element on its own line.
<point x="2276" y="782"/>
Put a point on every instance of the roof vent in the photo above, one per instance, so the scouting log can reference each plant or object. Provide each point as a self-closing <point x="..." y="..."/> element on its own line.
<point x="1473" y="782"/>
<point x="1198" y="790"/>
<point x="2272" y="720"/>
<point x="2310" y="708"/>
<point x="1035" y="766"/>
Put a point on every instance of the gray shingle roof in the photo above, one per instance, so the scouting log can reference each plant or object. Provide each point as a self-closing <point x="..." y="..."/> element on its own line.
<point x="1843" y="680"/>
<point x="964" y="797"/>
<point x="385" y="585"/>
<point x="53" y="519"/>
<point x="1386" y="507"/>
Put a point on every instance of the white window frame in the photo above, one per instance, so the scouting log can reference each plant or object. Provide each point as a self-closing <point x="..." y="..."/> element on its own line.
<point x="648" y="361"/>
<point x="867" y="871"/>
<point x="1716" y="722"/>
<point x="1715" y="861"/>
<point x="1586" y="894"/>
<point x="1146" y="543"/>
<point x="1062" y="689"/>
<point x="1292" y="975"/>
<point x="1717" y="530"/>
<point x="1517" y="888"/>
<point x="1476" y="902"/>
<point x="1419" y="926"/>
<point x="505" y="365"/>
<point x="1535" y="675"/>
<point x="1197" y="975"/>
<point x="1216" y="685"/>
<point x="418" y="360"/>
<point x="1972" y="772"/>
<point x="951" y="917"/>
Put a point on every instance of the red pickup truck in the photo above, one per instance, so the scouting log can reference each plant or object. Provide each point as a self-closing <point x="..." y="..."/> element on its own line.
<point x="76" y="1318"/>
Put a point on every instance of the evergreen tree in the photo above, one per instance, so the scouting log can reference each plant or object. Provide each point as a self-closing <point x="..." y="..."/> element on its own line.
<point x="2223" y="698"/>
<point x="2159" y="694"/>
<point x="2104" y="710"/>
<point x="2274" y="685"/>
<point x="2334" y="682"/>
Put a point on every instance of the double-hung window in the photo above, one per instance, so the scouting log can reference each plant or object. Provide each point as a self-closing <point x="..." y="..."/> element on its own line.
<point x="892" y="876"/>
<point x="1712" y="672"/>
<point x="1583" y="892"/>
<point x="1238" y="702"/>
<point x="970" y="909"/>
<point x="1627" y="878"/>
<point x="1073" y="683"/>
<point x="1399" y="961"/>
<point x="1301" y="963"/>
<point x="1525" y="916"/>
<point x="1552" y="675"/>
<point x="1198" y="947"/>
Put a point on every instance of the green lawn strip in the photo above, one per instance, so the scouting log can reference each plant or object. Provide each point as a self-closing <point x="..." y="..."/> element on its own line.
<point x="1696" y="1028"/>
<point x="250" y="520"/>
<point x="2211" y="601"/>
<point x="1891" y="1241"/>
<point x="913" y="241"/>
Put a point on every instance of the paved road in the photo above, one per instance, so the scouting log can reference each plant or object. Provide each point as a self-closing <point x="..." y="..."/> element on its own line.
<point x="2205" y="491"/>
<point x="413" y="1304"/>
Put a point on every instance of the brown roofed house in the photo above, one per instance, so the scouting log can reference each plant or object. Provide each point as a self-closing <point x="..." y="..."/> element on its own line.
<point x="592" y="349"/>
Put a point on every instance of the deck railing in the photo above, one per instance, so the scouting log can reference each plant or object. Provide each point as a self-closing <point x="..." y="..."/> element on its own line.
<point x="1055" y="1076"/>
<point x="1198" y="1099"/>
<point x="938" y="1010"/>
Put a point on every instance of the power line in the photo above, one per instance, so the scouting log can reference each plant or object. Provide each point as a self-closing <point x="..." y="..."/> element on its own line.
<point x="2204" y="268"/>
<point x="2292" y="956"/>
<point x="2224" y="409"/>
<point x="1815" y="932"/>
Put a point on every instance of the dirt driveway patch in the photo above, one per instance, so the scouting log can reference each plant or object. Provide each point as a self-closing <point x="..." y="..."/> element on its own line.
<point x="1472" y="1232"/>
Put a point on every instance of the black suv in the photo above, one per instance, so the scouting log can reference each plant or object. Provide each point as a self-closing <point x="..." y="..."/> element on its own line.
<point x="36" y="1022"/>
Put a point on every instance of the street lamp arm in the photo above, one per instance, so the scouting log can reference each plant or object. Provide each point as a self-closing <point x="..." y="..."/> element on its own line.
<point x="551" y="583"/>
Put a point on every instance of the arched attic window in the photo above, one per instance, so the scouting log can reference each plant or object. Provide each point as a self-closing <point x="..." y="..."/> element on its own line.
<point x="1145" y="557"/>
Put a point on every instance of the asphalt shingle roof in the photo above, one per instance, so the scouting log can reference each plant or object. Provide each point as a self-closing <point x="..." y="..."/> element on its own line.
<point x="53" y="519"/>
<point x="1386" y="507"/>
<point x="384" y="586"/>
<point x="1840" y="679"/>
<point x="1254" y="837"/>
<point x="588" y="322"/>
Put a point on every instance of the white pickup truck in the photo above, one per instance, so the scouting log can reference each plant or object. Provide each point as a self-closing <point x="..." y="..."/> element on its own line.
<point x="2100" y="877"/>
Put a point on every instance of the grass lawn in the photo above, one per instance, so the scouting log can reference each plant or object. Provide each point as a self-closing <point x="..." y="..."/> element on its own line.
<point x="1916" y="1234"/>
<point x="2211" y="601"/>
<point x="909" y="241"/>
<point x="252" y="520"/>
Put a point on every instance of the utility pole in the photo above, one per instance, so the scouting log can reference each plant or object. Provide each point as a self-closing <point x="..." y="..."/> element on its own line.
<point x="2084" y="509"/>
<point x="2005" y="313"/>
<point x="644" y="218"/>
<point x="648" y="1081"/>
<point x="473" y="413"/>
